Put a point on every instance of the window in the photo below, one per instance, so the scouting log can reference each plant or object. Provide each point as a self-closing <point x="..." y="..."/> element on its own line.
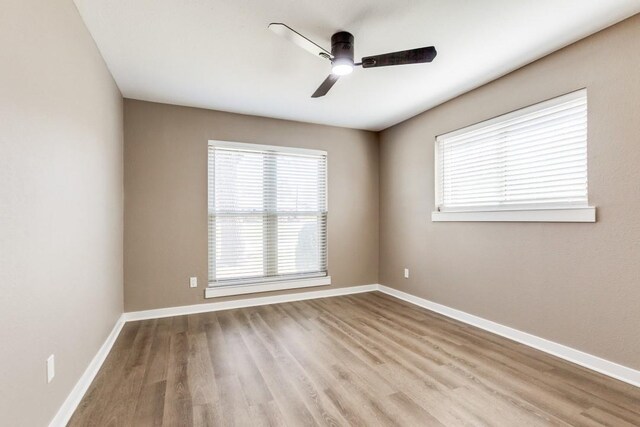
<point x="529" y="165"/>
<point x="267" y="218"/>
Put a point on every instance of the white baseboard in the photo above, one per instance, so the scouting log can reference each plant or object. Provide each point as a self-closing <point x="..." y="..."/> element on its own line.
<point x="578" y="357"/>
<point x="247" y="302"/>
<point x="75" y="397"/>
<point x="77" y="393"/>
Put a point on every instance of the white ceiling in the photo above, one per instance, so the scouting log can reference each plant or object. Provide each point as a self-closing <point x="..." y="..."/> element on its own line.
<point x="220" y="55"/>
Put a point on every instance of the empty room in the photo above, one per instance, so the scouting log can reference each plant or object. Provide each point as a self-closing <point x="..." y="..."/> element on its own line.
<point x="319" y="213"/>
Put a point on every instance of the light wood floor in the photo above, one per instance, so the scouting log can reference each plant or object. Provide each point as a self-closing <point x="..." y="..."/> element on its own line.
<point x="363" y="360"/>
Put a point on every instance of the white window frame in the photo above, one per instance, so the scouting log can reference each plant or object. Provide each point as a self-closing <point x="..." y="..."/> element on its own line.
<point x="522" y="213"/>
<point x="268" y="284"/>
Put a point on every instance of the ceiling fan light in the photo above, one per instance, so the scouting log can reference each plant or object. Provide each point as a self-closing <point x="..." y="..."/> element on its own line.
<point x="341" y="67"/>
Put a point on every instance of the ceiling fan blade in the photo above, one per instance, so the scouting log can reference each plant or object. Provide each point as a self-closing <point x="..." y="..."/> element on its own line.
<point x="411" y="56"/>
<point x="325" y="86"/>
<point x="300" y="40"/>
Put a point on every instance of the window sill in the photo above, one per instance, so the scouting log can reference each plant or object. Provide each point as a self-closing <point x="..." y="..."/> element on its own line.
<point x="229" y="290"/>
<point x="586" y="214"/>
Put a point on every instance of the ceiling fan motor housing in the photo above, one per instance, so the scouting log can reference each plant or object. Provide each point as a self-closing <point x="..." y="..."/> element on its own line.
<point x="342" y="47"/>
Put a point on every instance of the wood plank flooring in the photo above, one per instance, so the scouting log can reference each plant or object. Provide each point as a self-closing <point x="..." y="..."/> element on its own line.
<point x="361" y="360"/>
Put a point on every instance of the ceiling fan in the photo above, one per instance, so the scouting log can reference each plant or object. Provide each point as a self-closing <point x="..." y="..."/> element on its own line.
<point x="341" y="55"/>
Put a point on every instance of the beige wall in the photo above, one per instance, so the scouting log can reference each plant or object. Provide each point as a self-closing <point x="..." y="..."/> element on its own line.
<point x="166" y="197"/>
<point x="576" y="284"/>
<point x="61" y="205"/>
<point x="61" y="202"/>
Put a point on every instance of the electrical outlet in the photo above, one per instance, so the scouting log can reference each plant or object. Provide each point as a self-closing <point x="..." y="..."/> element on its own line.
<point x="406" y="273"/>
<point x="193" y="282"/>
<point x="51" y="368"/>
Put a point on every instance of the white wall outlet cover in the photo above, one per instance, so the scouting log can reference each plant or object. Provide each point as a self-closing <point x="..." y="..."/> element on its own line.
<point x="193" y="282"/>
<point x="51" y="368"/>
<point x="406" y="273"/>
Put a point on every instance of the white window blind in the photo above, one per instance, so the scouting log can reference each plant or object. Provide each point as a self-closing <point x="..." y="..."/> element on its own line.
<point x="267" y="213"/>
<point x="534" y="158"/>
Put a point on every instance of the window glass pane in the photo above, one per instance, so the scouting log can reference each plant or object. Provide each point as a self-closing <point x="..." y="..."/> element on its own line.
<point x="239" y="182"/>
<point x="239" y="247"/>
<point x="535" y="157"/>
<point x="300" y="247"/>
<point x="300" y="184"/>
